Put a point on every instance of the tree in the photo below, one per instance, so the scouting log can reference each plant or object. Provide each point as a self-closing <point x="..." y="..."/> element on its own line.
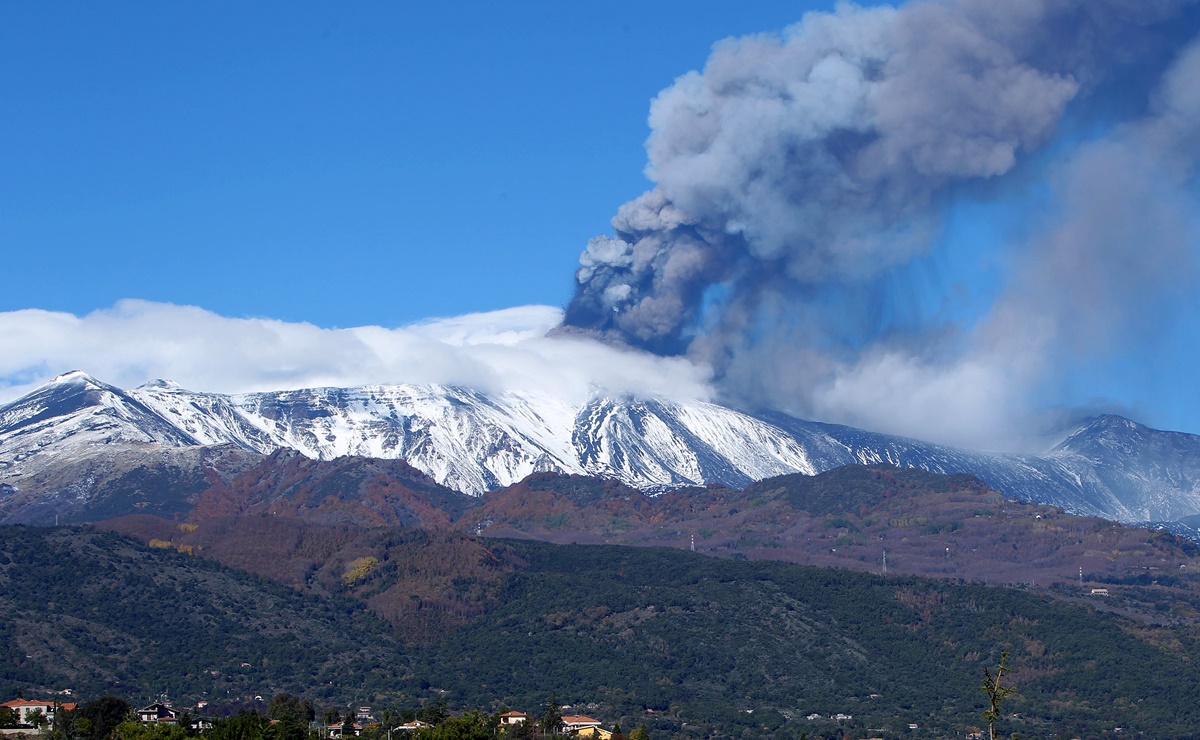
<point x="69" y="725"/>
<point x="287" y="708"/>
<point x="389" y="718"/>
<point x="473" y="725"/>
<point x="996" y="693"/>
<point x="37" y="718"/>
<point x="103" y="715"/>
<point x="82" y="727"/>
<point x="434" y="713"/>
<point x="134" y="730"/>
<point x="640" y="733"/>
<point x="331" y="717"/>
<point x="617" y="734"/>
<point x="551" y="722"/>
<point x="8" y="718"/>
<point x="292" y="714"/>
<point x="243" y="726"/>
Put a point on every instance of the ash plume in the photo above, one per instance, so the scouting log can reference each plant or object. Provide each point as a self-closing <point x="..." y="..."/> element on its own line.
<point x="800" y="176"/>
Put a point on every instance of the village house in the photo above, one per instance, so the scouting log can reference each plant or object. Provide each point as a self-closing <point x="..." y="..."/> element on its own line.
<point x="198" y="725"/>
<point x="598" y="733"/>
<point x="26" y="709"/>
<point x="157" y="712"/>
<point x="513" y="718"/>
<point x="336" y="730"/>
<point x="416" y="724"/>
<point x="577" y="722"/>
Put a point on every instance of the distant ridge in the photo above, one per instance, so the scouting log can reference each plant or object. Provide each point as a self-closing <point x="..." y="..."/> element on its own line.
<point x="63" y="445"/>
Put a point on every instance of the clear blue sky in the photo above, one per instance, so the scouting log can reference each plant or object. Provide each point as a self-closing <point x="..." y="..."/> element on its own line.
<point x="344" y="164"/>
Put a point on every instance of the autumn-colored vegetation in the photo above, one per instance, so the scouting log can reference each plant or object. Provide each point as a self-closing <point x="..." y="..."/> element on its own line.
<point x="349" y="490"/>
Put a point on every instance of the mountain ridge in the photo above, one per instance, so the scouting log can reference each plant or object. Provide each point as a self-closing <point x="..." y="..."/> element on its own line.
<point x="474" y="442"/>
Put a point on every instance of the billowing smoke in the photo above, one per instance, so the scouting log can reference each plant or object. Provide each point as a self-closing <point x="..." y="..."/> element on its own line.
<point x="802" y="177"/>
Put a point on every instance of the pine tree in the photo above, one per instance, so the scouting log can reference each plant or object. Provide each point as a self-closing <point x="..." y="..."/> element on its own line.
<point x="551" y="722"/>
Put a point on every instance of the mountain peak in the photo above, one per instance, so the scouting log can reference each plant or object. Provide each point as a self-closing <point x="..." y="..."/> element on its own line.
<point x="1111" y="421"/>
<point x="1104" y="426"/>
<point x="74" y="377"/>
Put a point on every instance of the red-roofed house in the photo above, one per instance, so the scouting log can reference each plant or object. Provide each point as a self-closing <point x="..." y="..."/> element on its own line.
<point x="576" y="722"/>
<point x="513" y="718"/>
<point x="25" y="707"/>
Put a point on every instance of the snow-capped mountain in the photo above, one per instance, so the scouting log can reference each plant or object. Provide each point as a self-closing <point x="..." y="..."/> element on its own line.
<point x="81" y="410"/>
<point x="475" y="442"/>
<point x="464" y="439"/>
<point x="1143" y="479"/>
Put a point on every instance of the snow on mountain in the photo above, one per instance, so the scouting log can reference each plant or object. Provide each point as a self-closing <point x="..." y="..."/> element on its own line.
<point x="475" y="442"/>
<point x="662" y="443"/>
<point x="72" y="414"/>
<point x="1118" y="454"/>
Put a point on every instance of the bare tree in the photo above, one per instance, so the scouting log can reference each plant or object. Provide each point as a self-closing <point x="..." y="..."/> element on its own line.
<point x="996" y="693"/>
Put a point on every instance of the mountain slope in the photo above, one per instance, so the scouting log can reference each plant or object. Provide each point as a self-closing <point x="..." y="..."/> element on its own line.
<point x="751" y="644"/>
<point x="1162" y="468"/>
<point x="1128" y="487"/>
<point x="100" y="613"/>
<point x="464" y="439"/>
<point x="876" y="518"/>
<point x="75" y="412"/>
<point x="475" y="442"/>
<point x="347" y="490"/>
<point x="715" y="647"/>
<point x="272" y="518"/>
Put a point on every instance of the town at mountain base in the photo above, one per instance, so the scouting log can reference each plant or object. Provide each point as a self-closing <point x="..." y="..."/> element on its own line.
<point x="287" y="717"/>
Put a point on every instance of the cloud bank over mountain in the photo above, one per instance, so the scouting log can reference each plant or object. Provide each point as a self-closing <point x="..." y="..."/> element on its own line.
<point x="803" y="178"/>
<point x="136" y="341"/>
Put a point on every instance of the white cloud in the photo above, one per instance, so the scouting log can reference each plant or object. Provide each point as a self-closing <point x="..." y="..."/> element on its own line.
<point x="136" y="341"/>
<point x="507" y="326"/>
<point x="977" y="402"/>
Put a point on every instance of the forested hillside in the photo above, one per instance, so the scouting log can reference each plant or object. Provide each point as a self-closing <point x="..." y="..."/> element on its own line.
<point x="689" y="644"/>
<point x="97" y="612"/>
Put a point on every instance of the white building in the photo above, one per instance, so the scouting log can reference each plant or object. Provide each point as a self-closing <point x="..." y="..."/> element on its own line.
<point x="26" y="707"/>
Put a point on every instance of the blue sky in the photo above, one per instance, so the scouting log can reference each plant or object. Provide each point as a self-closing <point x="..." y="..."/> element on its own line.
<point x="369" y="163"/>
<point x="294" y="169"/>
